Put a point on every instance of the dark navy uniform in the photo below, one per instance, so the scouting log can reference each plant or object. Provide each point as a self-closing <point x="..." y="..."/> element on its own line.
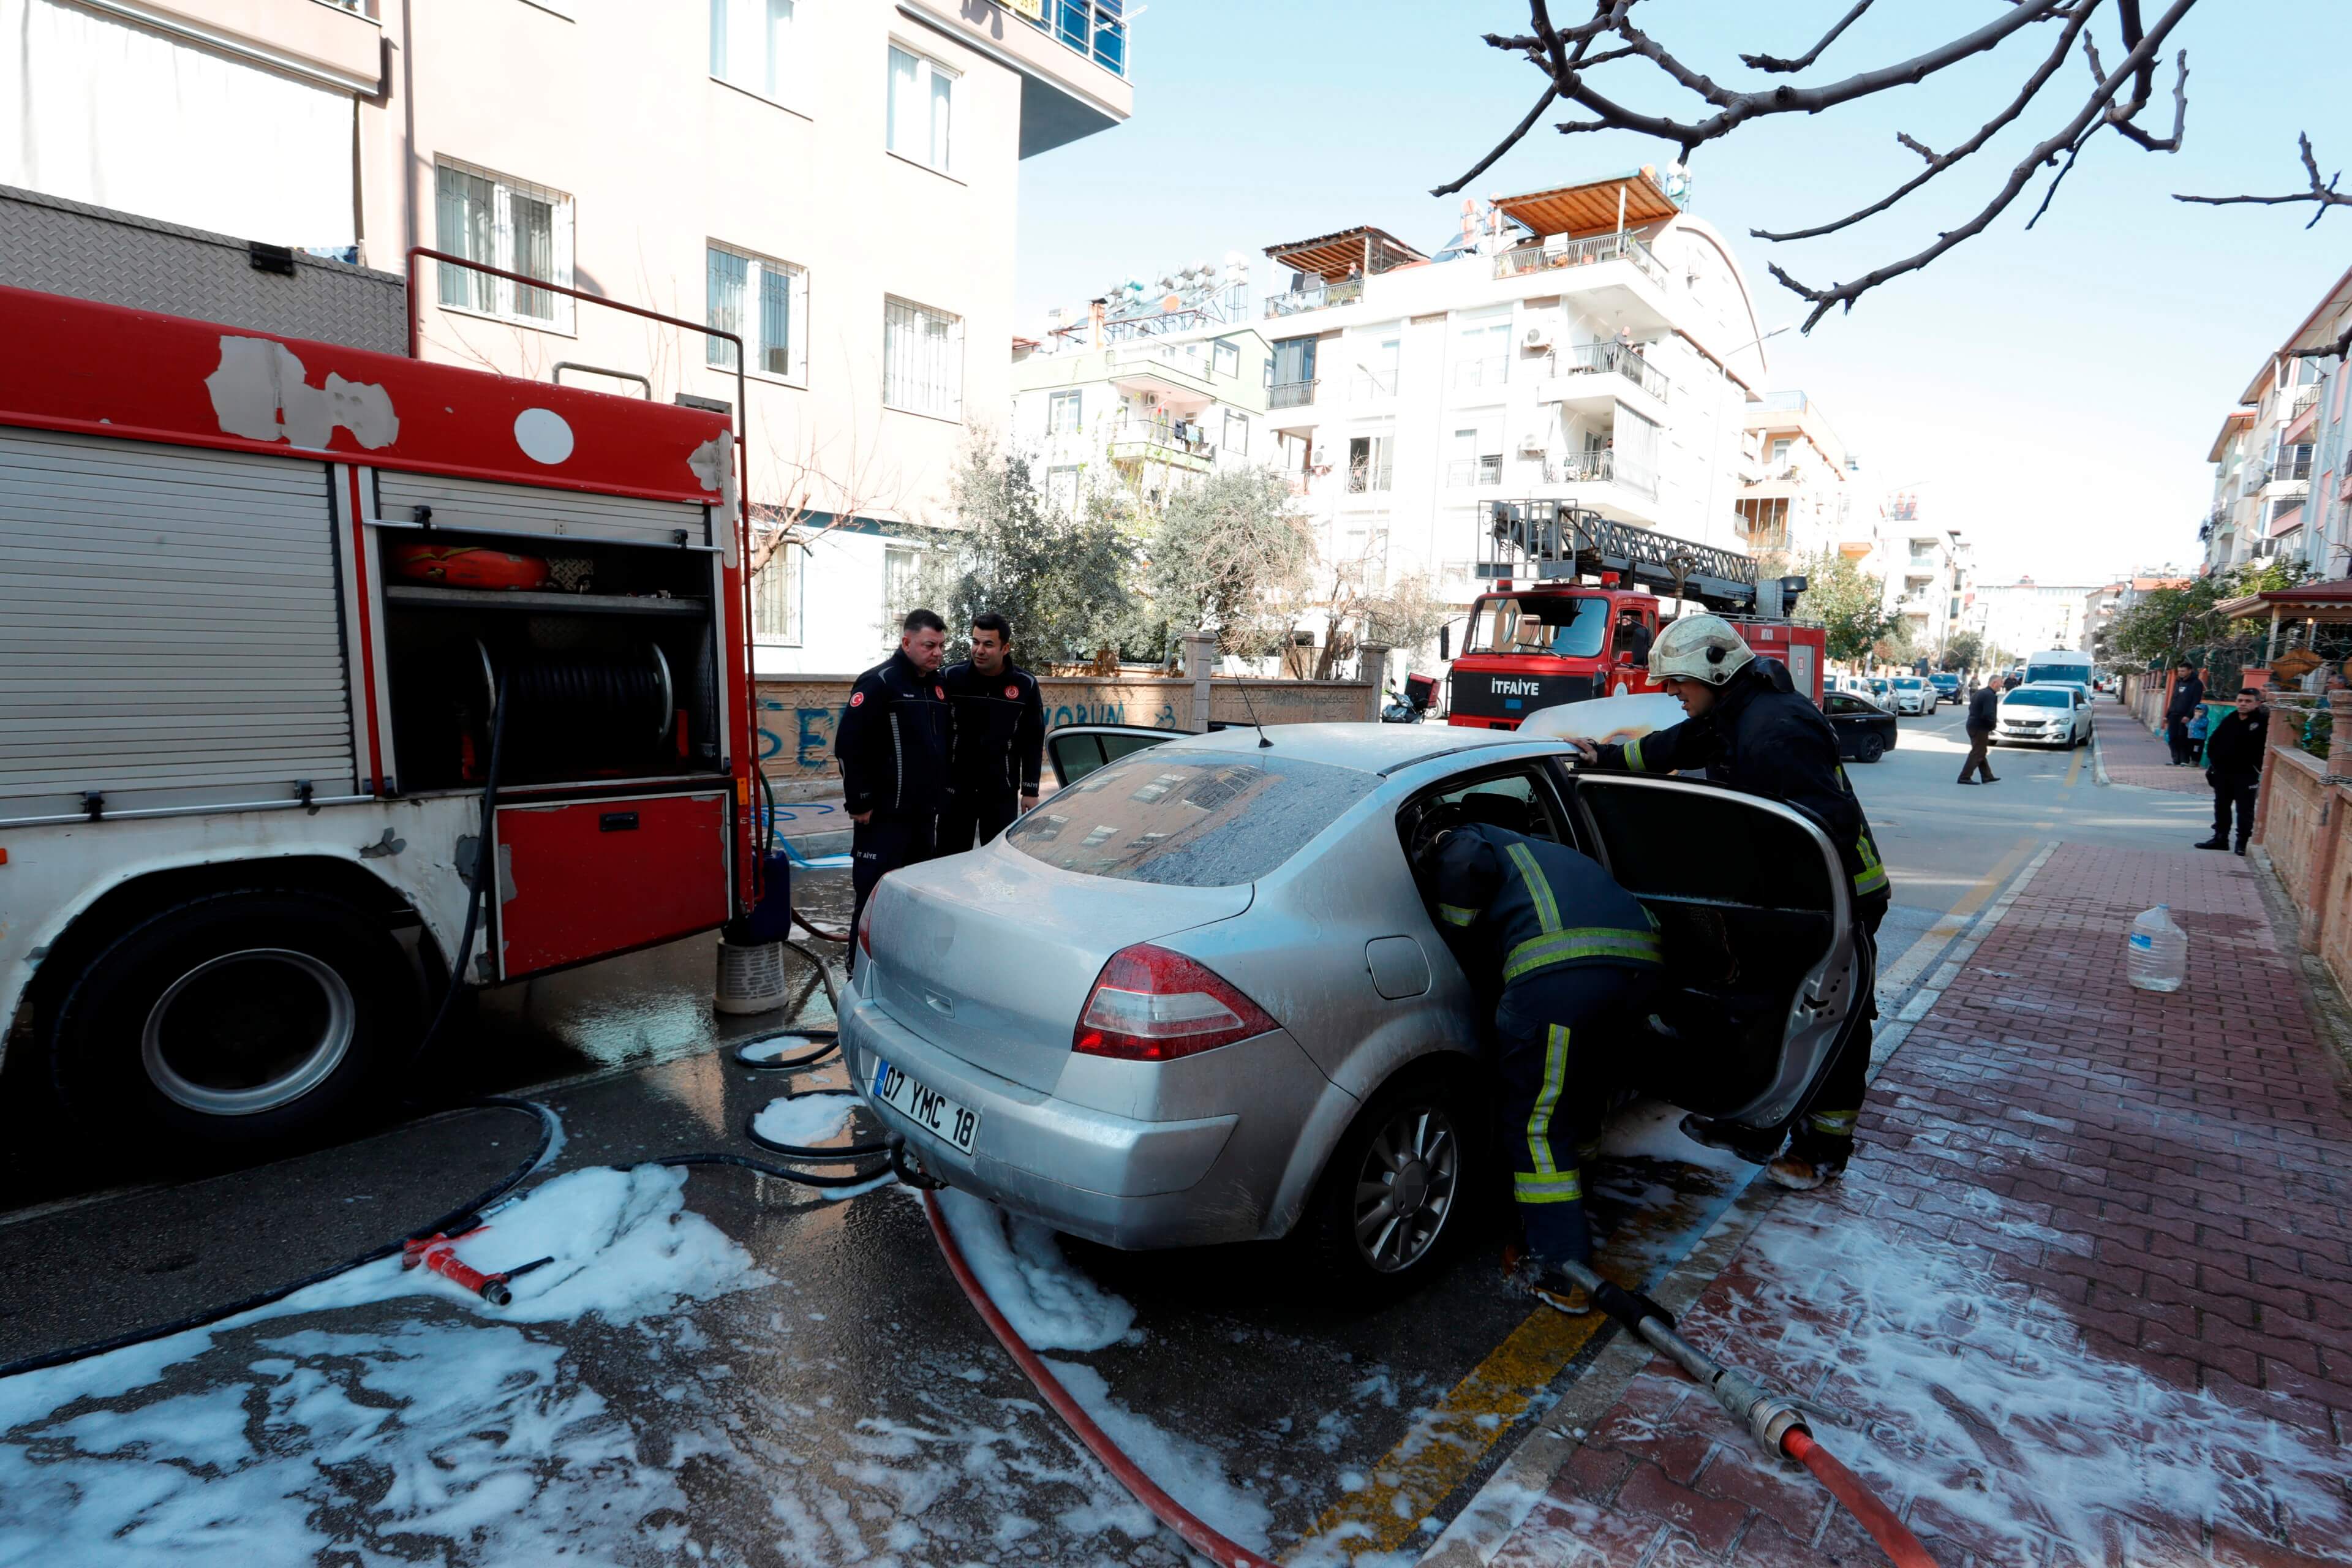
<point x="1764" y="737"/>
<point x="1573" y="955"/>
<point x="998" y="745"/>
<point x="893" y="748"/>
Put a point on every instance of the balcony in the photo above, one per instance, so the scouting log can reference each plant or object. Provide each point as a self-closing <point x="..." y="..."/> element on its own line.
<point x="1146" y="441"/>
<point x="1480" y="374"/>
<point x="1095" y="31"/>
<point x="1561" y="252"/>
<point x="1607" y="482"/>
<point x="1290" y="394"/>
<point x="1611" y="360"/>
<point x="1464" y="472"/>
<point x="1368" y="478"/>
<point x="1316" y="297"/>
<point x="1368" y="385"/>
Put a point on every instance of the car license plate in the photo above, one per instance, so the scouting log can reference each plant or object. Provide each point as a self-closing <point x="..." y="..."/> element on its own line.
<point x="925" y="1107"/>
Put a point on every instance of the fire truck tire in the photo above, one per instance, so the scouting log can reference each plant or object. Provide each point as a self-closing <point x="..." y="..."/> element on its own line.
<point x="243" y="1018"/>
<point x="1424" y="1132"/>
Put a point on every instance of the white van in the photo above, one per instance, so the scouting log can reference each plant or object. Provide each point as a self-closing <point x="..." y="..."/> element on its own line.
<point x="2065" y="665"/>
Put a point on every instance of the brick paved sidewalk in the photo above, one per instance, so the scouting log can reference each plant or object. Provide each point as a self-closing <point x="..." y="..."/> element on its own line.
<point x="2084" y="1298"/>
<point x="2134" y="756"/>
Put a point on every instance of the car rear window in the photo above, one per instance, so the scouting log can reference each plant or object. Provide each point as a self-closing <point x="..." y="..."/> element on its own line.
<point x="2039" y="699"/>
<point x="1204" y="819"/>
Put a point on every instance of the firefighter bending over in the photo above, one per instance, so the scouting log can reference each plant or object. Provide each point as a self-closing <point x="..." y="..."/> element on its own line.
<point x="1749" y="728"/>
<point x="1574" y="957"/>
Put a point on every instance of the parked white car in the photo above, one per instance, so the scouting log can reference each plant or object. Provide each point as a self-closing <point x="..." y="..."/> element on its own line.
<point x="2056" y="713"/>
<point x="1910" y="694"/>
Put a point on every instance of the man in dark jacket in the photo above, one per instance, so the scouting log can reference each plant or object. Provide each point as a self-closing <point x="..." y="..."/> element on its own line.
<point x="1573" y="955"/>
<point x="2234" y="767"/>
<point x="1984" y="713"/>
<point x="2188" y="691"/>
<point x="893" y="749"/>
<point x="1633" y="639"/>
<point x="999" y="741"/>
<point x="1749" y="728"/>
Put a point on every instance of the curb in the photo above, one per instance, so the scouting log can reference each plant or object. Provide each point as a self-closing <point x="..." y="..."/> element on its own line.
<point x="2099" y="761"/>
<point x="1524" y="1477"/>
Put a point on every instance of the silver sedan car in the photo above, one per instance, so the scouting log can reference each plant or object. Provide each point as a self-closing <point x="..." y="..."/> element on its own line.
<point x="1195" y="996"/>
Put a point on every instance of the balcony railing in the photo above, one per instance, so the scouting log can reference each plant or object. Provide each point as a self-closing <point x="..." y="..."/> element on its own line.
<point x="1366" y="383"/>
<point x="1347" y="291"/>
<point x="1580" y="469"/>
<point x="2294" y="463"/>
<point x="1095" y="29"/>
<point x="1167" y="437"/>
<point x="1581" y="253"/>
<point x="1494" y="370"/>
<point x="1465" y="471"/>
<point x="1367" y="477"/>
<point x="1290" y="394"/>
<point x="1600" y="359"/>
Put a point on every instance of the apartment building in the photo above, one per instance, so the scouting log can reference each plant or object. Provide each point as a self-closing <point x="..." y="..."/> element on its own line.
<point x="2326" y="426"/>
<point x="1592" y="343"/>
<point x="1147" y="390"/>
<point x="2265" y="501"/>
<point x="2026" y="617"/>
<point x="835" y="184"/>
<point x="1802" y="490"/>
<point x="1929" y="573"/>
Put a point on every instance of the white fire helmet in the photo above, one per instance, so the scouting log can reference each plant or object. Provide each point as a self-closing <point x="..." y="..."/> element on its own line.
<point x="1700" y="647"/>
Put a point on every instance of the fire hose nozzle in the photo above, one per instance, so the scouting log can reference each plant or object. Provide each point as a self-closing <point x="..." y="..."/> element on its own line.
<point x="1770" y="1416"/>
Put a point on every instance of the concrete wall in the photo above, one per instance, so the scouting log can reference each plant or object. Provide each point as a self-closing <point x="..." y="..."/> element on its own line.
<point x="2303" y="822"/>
<point x="799" y="715"/>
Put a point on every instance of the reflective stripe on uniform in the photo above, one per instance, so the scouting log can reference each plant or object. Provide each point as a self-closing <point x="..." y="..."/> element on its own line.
<point x="1836" y="1123"/>
<point x="1546" y="1098"/>
<point x="1634" y="756"/>
<point x="1454" y="915"/>
<point x="1871" y="878"/>
<point x="1539" y="890"/>
<point x="1558" y="1187"/>
<point x="1585" y="941"/>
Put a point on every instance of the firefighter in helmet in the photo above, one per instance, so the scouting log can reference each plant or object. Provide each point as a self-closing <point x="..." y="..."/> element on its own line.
<point x="1749" y="728"/>
<point x="1574" y="959"/>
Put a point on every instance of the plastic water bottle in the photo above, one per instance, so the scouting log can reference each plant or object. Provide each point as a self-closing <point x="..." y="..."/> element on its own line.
<point x="2156" y="957"/>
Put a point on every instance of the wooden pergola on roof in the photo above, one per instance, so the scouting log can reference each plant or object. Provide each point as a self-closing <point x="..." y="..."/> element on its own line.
<point x="2330" y="602"/>
<point x="1591" y="207"/>
<point x="1364" y="249"/>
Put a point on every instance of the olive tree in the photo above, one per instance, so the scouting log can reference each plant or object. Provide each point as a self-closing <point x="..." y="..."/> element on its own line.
<point x="1229" y="555"/>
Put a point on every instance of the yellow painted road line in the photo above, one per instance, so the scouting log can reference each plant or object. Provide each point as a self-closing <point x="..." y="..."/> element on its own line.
<point x="1894" y="982"/>
<point x="1447" y="1441"/>
<point x="2076" y="771"/>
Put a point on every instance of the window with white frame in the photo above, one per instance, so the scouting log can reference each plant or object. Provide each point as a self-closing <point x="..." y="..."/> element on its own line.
<point x="1236" y="440"/>
<point x="776" y="598"/>
<point x="1229" y="358"/>
<point x="922" y="359"/>
<point x="1062" y="412"/>
<point x="1368" y="463"/>
<point x="1482" y="353"/>
<point x="902" y="567"/>
<point x="506" y="224"/>
<point x="921" y="108"/>
<point x="751" y="47"/>
<point x="1062" y="490"/>
<point x="763" y="302"/>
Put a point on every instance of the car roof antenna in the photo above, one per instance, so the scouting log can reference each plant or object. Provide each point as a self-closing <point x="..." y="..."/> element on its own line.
<point x="1251" y="708"/>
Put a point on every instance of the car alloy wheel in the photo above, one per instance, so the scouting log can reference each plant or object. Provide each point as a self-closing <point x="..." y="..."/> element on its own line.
<point x="1405" y="1188"/>
<point x="249" y="1031"/>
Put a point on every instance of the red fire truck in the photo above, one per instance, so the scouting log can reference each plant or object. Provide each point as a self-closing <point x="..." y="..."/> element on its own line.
<point x="1549" y="634"/>
<point x="273" y="612"/>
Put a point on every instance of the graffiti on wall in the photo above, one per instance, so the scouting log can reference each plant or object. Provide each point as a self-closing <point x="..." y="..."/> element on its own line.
<point x="799" y="719"/>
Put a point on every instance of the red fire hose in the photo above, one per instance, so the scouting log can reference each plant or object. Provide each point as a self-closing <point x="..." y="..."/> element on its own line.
<point x="1196" y="1532"/>
<point x="1898" y="1543"/>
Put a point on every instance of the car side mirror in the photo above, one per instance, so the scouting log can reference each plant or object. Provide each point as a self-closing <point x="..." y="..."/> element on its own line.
<point x="1446" y="645"/>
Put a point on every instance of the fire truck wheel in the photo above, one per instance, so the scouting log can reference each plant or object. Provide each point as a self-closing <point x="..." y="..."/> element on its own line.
<point x="242" y="1018"/>
<point x="1394" y="1202"/>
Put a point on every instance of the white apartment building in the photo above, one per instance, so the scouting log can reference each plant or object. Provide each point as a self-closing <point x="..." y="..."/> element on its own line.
<point x="2262" y="464"/>
<point x="1801" y="489"/>
<point x="835" y="182"/>
<point x="1930" y="573"/>
<point x="2026" y="617"/>
<point x="1592" y="343"/>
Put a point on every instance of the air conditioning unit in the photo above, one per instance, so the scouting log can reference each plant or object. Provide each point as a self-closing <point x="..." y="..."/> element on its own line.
<point x="1536" y="337"/>
<point x="1531" y="446"/>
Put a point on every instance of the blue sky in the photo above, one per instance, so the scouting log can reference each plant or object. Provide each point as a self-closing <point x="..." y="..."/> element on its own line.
<point x="2053" y="391"/>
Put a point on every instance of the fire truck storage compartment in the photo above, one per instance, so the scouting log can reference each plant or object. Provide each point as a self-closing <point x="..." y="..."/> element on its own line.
<point x="588" y="878"/>
<point x="610" y="670"/>
<point x="169" y="630"/>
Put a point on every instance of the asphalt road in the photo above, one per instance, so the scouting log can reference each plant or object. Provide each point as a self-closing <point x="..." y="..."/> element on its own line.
<point x="850" y="1405"/>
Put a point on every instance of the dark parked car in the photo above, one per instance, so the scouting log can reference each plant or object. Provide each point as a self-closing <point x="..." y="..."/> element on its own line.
<point x="1946" y="685"/>
<point x="1865" y="730"/>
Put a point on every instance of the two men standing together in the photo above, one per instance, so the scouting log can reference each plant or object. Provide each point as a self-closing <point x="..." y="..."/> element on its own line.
<point x="933" y="760"/>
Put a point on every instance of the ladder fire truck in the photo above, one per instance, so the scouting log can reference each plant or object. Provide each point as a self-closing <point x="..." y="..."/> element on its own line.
<point x="1547" y="632"/>
<point x="311" y="660"/>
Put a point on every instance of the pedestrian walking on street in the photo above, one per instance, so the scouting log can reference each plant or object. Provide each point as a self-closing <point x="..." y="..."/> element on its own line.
<point x="893" y="747"/>
<point x="1984" y="713"/>
<point x="999" y="741"/>
<point x="1575" y="959"/>
<point x="1750" y="728"/>
<point x="2188" y="691"/>
<point x="2234" y="767"/>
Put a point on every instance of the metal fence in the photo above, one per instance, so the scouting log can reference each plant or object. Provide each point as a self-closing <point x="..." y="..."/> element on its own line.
<point x="1290" y="394"/>
<point x="1599" y="359"/>
<point x="1557" y="252"/>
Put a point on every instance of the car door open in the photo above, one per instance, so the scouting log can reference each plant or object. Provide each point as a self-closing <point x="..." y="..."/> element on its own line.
<point x="1764" y="975"/>
<point x="1077" y="750"/>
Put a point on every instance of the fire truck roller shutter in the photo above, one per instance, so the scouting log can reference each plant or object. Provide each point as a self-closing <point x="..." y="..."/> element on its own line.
<point x="492" y="508"/>
<point x="169" y="633"/>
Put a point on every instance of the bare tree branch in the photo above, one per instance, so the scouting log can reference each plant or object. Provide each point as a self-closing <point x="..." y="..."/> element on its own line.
<point x="2324" y="195"/>
<point x="1551" y="94"/>
<point x="1774" y="62"/>
<point x="1937" y="165"/>
<point x="1904" y="139"/>
<point x="1544" y="48"/>
<point x="2060" y="178"/>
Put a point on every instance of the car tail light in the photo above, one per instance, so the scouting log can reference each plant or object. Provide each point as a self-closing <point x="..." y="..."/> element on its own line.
<point x="866" y="926"/>
<point x="1149" y="1005"/>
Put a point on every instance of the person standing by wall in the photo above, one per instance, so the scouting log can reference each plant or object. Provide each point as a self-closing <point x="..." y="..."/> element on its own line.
<point x="2234" y="767"/>
<point x="1984" y="713"/>
<point x="893" y="746"/>
<point x="999" y="741"/>
<point x="2188" y="691"/>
